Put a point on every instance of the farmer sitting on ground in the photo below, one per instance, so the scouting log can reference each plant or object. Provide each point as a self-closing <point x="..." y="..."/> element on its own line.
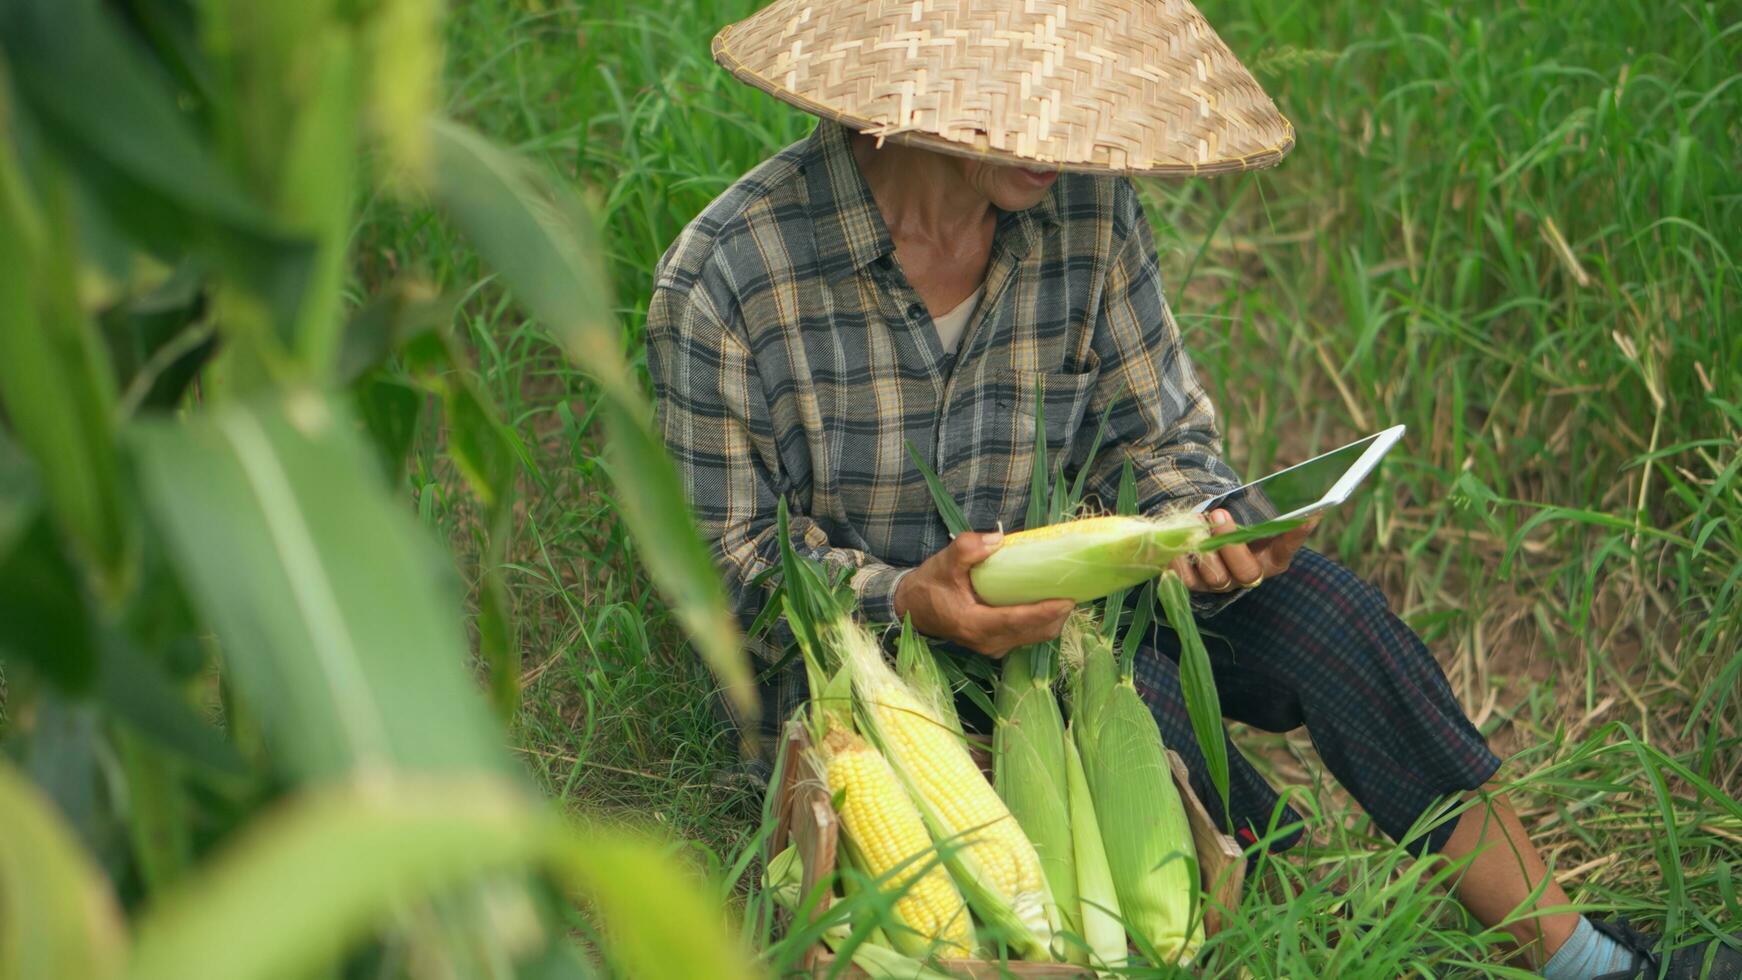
<point x="960" y="226"/>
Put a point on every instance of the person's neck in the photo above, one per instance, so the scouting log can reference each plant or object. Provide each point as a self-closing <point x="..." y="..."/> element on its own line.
<point x="922" y="195"/>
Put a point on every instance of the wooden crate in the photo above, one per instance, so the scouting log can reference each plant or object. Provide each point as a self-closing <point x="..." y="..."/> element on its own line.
<point x="805" y="816"/>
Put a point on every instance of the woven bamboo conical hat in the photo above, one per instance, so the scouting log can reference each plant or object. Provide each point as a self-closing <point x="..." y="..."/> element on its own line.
<point x="1105" y="86"/>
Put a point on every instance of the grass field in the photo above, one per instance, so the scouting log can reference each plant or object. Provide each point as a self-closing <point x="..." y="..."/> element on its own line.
<point x="1516" y="227"/>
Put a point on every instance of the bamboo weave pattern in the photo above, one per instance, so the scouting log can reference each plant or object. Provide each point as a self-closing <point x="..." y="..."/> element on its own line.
<point x="1109" y="86"/>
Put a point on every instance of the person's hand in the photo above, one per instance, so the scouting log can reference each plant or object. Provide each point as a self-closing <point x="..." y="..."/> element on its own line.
<point x="941" y="600"/>
<point x="1240" y="566"/>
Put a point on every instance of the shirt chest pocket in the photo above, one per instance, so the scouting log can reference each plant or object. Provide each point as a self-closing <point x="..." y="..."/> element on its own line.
<point x="1062" y="399"/>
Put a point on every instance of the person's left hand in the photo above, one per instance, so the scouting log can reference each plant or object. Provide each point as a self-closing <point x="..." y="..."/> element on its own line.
<point x="1240" y="566"/>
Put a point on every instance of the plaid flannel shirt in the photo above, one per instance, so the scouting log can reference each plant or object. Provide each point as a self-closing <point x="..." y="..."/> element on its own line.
<point x="791" y="358"/>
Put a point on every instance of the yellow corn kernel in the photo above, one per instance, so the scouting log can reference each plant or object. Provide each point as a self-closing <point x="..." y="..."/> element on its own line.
<point x="998" y="865"/>
<point x="883" y="824"/>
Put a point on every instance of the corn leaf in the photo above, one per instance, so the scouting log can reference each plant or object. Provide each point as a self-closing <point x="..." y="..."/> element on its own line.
<point x="954" y="520"/>
<point x="321" y="590"/>
<point x="1060" y="506"/>
<point x="1142" y="617"/>
<point x="1197" y="683"/>
<point x="1037" y="489"/>
<point x="56" y="388"/>
<point x="329" y="867"/>
<point x="1255" y="532"/>
<point x="132" y="686"/>
<point x="110" y="119"/>
<point x="1082" y="480"/>
<point x="44" y="616"/>
<point x="542" y="243"/>
<point x="60" y="918"/>
<point x="162" y="824"/>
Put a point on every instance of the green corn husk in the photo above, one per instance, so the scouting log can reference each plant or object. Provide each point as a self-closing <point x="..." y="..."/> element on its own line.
<point x="1085" y="559"/>
<point x="1028" y="766"/>
<point x="1102" y="929"/>
<point x="1143" y="822"/>
<point x="916" y="664"/>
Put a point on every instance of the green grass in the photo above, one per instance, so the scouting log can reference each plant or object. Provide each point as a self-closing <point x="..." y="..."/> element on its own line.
<point x="1515" y="227"/>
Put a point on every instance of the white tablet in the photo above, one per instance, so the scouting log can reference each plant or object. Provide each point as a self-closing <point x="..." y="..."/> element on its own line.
<point x="1319" y="483"/>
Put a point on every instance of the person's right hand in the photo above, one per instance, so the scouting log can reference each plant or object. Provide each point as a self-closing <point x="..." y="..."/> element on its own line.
<point x="941" y="600"/>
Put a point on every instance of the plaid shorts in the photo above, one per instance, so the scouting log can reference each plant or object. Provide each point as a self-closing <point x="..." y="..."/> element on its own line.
<point x="1319" y="647"/>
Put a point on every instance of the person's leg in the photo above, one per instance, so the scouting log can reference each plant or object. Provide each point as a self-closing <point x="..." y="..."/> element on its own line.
<point x="1504" y="870"/>
<point x="1321" y="647"/>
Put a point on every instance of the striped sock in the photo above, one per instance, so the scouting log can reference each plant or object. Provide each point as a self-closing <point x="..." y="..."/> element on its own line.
<point x="1587" y="953"/>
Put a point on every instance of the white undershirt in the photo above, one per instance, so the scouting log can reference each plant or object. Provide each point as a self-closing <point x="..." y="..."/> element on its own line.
<point x="951" y="324"/>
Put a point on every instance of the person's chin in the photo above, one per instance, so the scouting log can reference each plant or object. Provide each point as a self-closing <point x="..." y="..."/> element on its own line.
<point x="1025" y="188"/>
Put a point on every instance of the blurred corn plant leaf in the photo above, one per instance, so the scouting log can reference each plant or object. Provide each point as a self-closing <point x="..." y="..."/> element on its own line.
<point x="329" y="867"/>
<point x="101" y="106"/>
<point x="326" y="869"/>
<point x="322" y="591"/>
<point x="541" y="241"/>
<point x="58" y="917"/>
<point x="132" y="687"/>
<point x="158" y="340"/>
<point x="210" y="598"/>
<point x="401" y="312"/>
<point x="160" y="810"/>
<point x="657" y="922"/>
<point x="42" y="603"/>
<point x="55" y="383"/>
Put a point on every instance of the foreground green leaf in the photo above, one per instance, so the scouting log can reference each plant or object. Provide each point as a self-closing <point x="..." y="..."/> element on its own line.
<point x="56" y="391"/>
<point x="332" y="867"/>
<point x="57" y="916"/>
<point x="542" y="243"/>
<point x="113" y="123"/>
<point x="323" y="593"/>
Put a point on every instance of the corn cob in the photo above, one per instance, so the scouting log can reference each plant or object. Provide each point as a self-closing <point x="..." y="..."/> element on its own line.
<point x="888" y="834"/>
<point x="1102" y="930"/>
<point x="1084" y="559"/>
<point x="1029" y="774"/>
<point x="993" y="861"/>
<point x="1143" y="822"/>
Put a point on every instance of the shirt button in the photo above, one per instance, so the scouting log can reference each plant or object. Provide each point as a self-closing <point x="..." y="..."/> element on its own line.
<point x="915" y="311"/>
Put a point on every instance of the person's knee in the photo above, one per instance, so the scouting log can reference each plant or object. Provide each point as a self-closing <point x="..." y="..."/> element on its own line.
<point x="1339" y="585"/>
<point x="1349" y="606"/>
<point x="1346" y="629"/>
